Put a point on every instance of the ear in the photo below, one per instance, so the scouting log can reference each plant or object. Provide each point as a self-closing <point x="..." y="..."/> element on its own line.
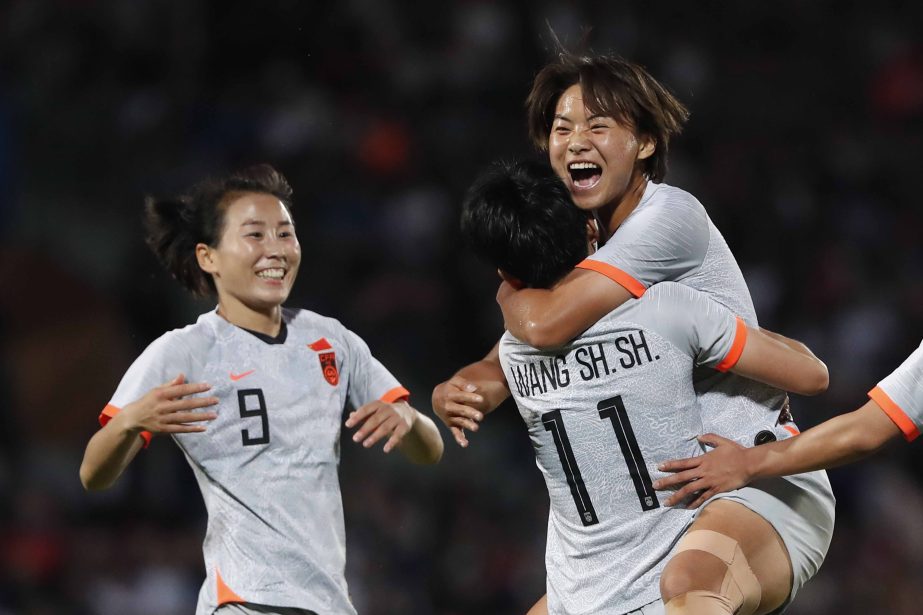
<point x="206" y="258"/>
<point x="646" y="147"/>
<point x="511" y="280"/>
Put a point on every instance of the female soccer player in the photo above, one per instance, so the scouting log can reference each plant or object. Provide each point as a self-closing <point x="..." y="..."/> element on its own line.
<point x="604" y="409"/>
<point x="271" y="384"/>
<point x="606" y="125"/>
<point x="895" y="408"/>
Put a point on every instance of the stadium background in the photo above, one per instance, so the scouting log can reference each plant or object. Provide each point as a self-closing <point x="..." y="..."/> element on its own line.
<point x="804" y="144"/>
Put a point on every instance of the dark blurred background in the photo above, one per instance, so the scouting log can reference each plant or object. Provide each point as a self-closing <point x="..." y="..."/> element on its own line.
<point x="804" y="144"/>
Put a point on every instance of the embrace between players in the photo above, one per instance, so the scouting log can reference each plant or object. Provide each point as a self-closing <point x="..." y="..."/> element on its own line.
<point x="621" y="361"/>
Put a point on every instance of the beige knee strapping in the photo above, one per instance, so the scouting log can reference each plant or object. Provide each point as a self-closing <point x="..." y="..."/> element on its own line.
<point x="740" y="589"/>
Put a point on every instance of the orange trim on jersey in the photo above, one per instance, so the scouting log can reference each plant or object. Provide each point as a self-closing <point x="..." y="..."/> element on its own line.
<point x="790" y="429"/>
<point x="895" y="413"/>
<point x="615" y="274"/>
<point x="395" y="394"/>
<point x="109" y="413"/>
<point x="737" y="348"/>
<point x="226" y="595"/>
<point x="321" y="344"/>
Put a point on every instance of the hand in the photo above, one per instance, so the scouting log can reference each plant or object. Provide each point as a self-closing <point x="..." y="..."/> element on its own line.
<point x="458" y="405"/>
<point x="169" y="409"/>
<point x="380" y="419"/>
<point x="721" y="469"/>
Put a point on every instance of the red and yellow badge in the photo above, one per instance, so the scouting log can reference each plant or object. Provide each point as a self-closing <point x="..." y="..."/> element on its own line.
<point x="328" y="360"/>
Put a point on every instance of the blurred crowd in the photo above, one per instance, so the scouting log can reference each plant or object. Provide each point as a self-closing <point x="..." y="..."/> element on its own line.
<point x="804" y="144"/>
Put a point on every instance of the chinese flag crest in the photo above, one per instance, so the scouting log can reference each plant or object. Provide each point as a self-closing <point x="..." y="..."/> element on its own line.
<point x="328" y="360"/>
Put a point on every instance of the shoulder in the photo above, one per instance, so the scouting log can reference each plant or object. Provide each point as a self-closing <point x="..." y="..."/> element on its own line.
<point x="661" y="197"/>
<point x="318" y="331"/>
<point x="184" y="341"/>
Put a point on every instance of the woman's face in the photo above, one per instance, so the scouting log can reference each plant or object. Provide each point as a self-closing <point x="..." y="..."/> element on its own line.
<point x="257" y="256"/>
<point x="596" y="156"/>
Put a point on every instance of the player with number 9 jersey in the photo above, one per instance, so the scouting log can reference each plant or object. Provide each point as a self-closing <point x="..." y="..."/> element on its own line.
<point x="271" y="384"/>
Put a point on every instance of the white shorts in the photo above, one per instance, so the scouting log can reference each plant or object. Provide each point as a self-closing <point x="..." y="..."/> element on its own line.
<point x="801" y="509"/>
<point x="238" y="608"/>
<point x="652" y="608"/>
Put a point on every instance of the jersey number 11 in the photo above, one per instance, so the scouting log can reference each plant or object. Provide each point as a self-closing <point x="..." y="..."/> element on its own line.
<point x="614" y="410"/>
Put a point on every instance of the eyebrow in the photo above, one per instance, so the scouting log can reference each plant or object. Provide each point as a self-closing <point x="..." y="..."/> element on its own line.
<point x="255" y="222"/>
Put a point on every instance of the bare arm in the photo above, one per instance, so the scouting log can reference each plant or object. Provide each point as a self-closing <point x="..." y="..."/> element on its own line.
<point x="549" y="318"/>
<point x="475" y="390"/>
<point x="164" y="409"/>
<point x="781" y="362"/>
<point x="842" y="439"/>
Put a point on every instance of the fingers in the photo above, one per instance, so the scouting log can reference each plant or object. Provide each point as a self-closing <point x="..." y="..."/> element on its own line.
<point x="459" y="434"/>
<point x="684" y="493"/>
<point x="714" y="440"/>
<point x="677" y="465"/>
<point x="394" y="426"/>
<point x="370" y="422"/>
<point x="455" y="410"/>
<point x="676" y="479"/>
<point x="357" y="416"/>
<point x="187" y="403"/>
<point x="702" y="498"/>
<point x="176" y="390"/>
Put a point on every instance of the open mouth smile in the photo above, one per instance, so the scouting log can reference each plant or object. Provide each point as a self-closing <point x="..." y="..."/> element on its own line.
<point x="584" y="175"/>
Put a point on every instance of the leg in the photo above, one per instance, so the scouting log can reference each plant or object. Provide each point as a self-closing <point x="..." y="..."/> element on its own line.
<point x="746" y="565"/>
<point x="540" y="607"/>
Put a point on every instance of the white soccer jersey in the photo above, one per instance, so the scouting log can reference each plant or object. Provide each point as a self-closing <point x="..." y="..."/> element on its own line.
<point x="900" y="395"/>
<point x="670" y="237"/>
<point x="267" y="466"/>
<point x="602" y="412"/>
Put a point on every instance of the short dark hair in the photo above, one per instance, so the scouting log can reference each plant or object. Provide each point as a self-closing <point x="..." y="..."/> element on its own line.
<point x="175" y="225"/>
<point x="613" y="87"/>
<point x="519" y="217"/>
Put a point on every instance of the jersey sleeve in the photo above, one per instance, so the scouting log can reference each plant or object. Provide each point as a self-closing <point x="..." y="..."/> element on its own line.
<point x="697" y="324"/>
<point x="662" y="241"/>
<point x="900" y="395"/>
<point x="159" y="362"/>
<point x="369" y="380"/>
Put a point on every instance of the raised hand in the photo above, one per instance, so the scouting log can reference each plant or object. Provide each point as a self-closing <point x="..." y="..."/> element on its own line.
<point x="377" y="420"/>
<point x="458" y="404"/>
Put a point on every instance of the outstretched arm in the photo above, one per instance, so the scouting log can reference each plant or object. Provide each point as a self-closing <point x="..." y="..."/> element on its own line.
<point x="549" y="318"/>
<point x="781" y="362"/>
<point x="165" y="409"/>
<point x="729" y="466"/>
<point x="462" y="401"/>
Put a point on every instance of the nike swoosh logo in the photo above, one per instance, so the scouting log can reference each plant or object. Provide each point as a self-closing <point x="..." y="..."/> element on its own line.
<point x="236" y="377"/>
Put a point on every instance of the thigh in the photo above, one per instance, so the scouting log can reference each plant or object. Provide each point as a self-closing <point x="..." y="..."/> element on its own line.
<point x="760" y="543"/>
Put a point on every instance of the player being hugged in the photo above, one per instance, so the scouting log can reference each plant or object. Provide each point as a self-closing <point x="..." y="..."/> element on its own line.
<point x="604" y="410"/>
<point x="254" y="394"/>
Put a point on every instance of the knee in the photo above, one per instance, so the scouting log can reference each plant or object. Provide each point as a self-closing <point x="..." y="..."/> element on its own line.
<point x="691" y="571"/>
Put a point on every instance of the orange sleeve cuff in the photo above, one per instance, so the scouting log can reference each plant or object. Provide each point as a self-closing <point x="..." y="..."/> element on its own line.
<point x="895" y="413"/>
<point x="109" y="413"/>
<point x="615" y="274"/>
<point x="737" y="347"/>
<point x="396" y="394"/>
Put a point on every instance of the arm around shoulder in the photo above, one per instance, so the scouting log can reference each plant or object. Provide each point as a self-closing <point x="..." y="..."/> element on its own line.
<point x="550" y="318"/>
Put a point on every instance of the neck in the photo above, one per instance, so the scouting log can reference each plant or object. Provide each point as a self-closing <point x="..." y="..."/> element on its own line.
<point x="615" y="213"/>
<point x="268" y="321"/>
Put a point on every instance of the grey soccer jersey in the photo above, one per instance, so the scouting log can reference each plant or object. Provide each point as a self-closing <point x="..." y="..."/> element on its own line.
<point x="900" y="395"/>
<point x="267" y="466"/>
<point x="669" y="237"/>
<point x="602" y="412"/>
